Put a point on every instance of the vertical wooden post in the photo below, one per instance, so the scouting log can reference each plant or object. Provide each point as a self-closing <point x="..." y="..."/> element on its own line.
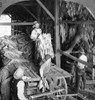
<point x="93" y="73"/>
<point x="57" y="37"/>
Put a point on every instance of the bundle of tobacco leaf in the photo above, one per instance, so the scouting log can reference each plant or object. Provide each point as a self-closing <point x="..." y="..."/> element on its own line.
<point x="14" y="47"/>
<point x="25" y="45"/>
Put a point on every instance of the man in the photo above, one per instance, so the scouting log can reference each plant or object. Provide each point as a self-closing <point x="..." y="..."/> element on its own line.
<point x="80" y="72"/>
<point x="8" y="70"/>
<point x="20" y="84"/>
<point x="36" y="31"/>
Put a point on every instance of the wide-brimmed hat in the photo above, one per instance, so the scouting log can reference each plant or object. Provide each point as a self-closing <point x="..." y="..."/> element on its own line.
<point x="19" y="73"/>
<point x="34" y="23"/>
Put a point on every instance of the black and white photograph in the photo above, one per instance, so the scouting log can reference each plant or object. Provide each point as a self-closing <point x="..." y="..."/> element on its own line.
<point x="47" y="49"/>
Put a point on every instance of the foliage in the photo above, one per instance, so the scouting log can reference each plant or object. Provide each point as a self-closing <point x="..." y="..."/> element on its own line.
<point x="74" y="11"/>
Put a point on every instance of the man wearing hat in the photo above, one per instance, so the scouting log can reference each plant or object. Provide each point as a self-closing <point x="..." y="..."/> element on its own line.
<point x="36" y="31"/>
<point x="35" y="34"/>
<point x="20" y="85"/>
<point x="80" y="71"/>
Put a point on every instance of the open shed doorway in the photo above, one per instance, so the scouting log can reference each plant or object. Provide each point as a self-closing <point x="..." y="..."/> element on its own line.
<point x="5" y="30"/>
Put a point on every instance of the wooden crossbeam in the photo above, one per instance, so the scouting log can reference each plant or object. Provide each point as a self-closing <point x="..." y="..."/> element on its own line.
<point x="45" y="94"/>
<point x="47" y="11"/>
<point x="76" y="22"/>
<point x="67" y="95"/>
<point x="75" y="58"/>
<point x="87" y="52"/>
<point x="27" y="23"/>
<point x="49" y="93"/>
<point x="17" y="23"/>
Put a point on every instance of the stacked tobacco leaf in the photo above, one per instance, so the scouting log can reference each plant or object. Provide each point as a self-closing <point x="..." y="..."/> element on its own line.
<point x="14" y="47"/>
<point x="8" y="49"/>
<point x="74" y="11"/>
<point x="25" y="44"/>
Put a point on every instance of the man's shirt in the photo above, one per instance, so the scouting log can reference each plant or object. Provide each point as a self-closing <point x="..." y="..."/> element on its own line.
<point x="20" y="90"/>
<point x="84" y="58"/>
<point x="35" y="33"/>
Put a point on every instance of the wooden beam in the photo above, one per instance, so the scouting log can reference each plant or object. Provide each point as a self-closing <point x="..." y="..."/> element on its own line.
<point x="75" y="58"/>
<point x="57" y="37"/>
<point x="76" y="22"/>
<point x="25" y="4"/>
<point x="29" y="12"/>
<point x="45" y="94"/>
<point x="27" y="23"/>
<point x="47" y="11"/>
<point x="67" y="95"/>
<point x="17" y="24"/>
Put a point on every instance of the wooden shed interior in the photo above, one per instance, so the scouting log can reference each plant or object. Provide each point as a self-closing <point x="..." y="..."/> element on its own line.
<point x="60" y="18"/>
<point x="71" y="24"/>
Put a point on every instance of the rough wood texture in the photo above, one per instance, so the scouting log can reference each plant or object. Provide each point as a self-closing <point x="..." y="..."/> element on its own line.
<point x="58" y="71"/>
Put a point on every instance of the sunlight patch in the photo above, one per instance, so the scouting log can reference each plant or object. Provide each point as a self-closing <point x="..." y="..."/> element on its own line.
<point x="5" y="29"/>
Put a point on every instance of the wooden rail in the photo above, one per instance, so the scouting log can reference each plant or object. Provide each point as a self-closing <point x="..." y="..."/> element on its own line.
<point x="76" y="22"/>
<point x="17" y="23"/>
<point x="74" y="58"/>
<point x="45" y="94"/>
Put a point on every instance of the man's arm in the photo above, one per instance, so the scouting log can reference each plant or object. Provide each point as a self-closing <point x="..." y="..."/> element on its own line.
<point x="33" y="35"/>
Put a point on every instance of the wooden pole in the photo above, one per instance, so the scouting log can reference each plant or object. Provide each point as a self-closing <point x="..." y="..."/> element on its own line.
<point x="77" y="22"/>
<point x="75" y="58"/>
<point x="17" y="23"/>
<point x="57" y="37"/>
<point x="45" y="94"/>
<point x="47" y="11"/>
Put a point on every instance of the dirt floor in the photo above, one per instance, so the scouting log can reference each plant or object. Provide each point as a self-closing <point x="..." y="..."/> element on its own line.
<point x="88" y="93"/>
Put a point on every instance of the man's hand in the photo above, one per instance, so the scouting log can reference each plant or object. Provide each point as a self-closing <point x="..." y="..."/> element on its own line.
<point x="68" y="52"/>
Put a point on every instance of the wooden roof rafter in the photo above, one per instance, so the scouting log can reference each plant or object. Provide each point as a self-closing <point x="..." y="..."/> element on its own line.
<point x="18" y="23"/>
<point x="29" y="12"/>
<point x="46" y="10"/>
<point x="25" y="3"/>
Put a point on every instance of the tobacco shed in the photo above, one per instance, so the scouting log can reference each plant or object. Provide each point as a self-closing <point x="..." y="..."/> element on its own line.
<point x="48" y="13"/>
<point x="65" y="20"/>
